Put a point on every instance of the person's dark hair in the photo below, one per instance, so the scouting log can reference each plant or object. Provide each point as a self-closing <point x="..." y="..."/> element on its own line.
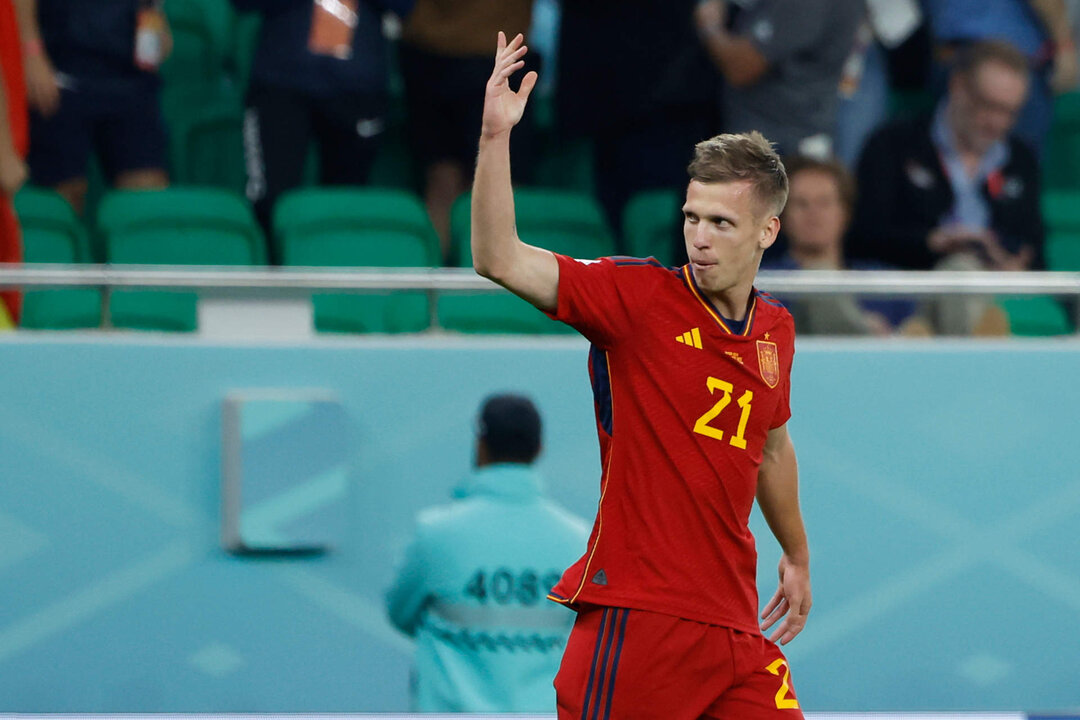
<point x="510" y="427"/>
<point x="845" y="182"/>
<point x="972" y="57"/>
<point x="743" y="157"/>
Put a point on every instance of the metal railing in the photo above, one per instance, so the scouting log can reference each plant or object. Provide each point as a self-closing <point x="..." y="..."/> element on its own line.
<point x="290" y="282"/>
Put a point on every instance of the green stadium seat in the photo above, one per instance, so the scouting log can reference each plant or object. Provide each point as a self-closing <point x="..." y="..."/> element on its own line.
<point x="566" y="165"/>
<point x="206" y="140"/>
<point x="177" y="226"/>
<point x="562" y="221"/>
<point x="1035" y="316"/>
<point x="52" y="234"/>
<point x="1061" y="212"/>
<point x="202" y="32"/>
<point x="652" y="224"/>
<point x="367" y="227"/>
<point x="1061" y="167"/>
<point x="494" y="313"/>
<point x="245" y="40"/>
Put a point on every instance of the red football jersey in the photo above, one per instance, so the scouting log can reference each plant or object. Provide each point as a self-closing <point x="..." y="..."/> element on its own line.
<point x="683" y="408"/>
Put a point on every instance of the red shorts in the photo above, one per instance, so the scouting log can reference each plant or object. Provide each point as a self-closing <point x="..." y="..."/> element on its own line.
<point x="624" y="664"/>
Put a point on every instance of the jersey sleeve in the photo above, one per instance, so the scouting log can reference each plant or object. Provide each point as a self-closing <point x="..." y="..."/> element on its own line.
<point x="783" y="408"/>
<point x="597" y="297"/>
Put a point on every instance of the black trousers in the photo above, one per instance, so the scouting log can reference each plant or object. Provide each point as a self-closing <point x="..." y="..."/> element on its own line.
<point x="279" y="126"/>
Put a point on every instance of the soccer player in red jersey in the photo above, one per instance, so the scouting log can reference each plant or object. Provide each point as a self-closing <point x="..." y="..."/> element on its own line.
<point x="690" y="370"/>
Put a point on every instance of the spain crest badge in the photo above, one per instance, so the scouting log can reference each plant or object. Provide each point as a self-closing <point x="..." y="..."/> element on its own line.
<point x="768" y="362"/>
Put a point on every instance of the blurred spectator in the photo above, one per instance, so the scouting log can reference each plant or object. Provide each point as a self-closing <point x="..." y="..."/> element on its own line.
<point x="473" y="587"/>
<point x="821" y="201"/>
<point x="93" y="85"/>
<point x="864" y="82"/>
<point x="320" y="73"/>
<point x="13" y="146"/>
<point x="1040" y="29"/>
<point x="446" y="49"/>
<point x="633" y="81"/>
<point x="781" y="62"/>
<point x="954" y="190"/>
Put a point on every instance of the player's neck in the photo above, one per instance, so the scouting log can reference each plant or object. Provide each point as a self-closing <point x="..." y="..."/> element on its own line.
<point x="734" y="302"/>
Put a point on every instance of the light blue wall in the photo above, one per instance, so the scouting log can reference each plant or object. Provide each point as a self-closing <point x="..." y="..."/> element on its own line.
<point x="940" y="487"/>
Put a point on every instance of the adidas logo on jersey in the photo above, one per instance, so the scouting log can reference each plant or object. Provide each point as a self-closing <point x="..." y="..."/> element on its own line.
<point x="691" y="338"/>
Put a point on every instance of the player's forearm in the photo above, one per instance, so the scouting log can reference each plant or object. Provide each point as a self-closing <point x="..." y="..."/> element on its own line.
<point x="494" y="235"/>
<point x="778" y="498"/>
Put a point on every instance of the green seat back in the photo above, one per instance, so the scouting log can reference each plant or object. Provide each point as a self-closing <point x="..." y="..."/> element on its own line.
<point x="202" y="32"/>
<point x="1061" y="212"/>
<point x="206" y="141"/>
<point x="652" y="224"/>
<point x="490" y="313"/>
<point x="178" y="226"/>
<point x="567" y="165"/>
<point x="245" y="41"/>
<point x="52" y="234"/>
<point x="565" y="222"/>
<point x="315" y="211"/>
<point x="1063" y="251"/>
<point x="1035" y="316"/>
<point x="365" y="227"/>
<point x="1061" y="166"/>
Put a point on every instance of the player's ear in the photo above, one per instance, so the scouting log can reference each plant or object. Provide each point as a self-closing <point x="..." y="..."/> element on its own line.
<point x="769" y="232"/>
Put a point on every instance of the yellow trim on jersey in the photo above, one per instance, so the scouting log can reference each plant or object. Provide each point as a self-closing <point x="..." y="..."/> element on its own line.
<point x="603" y="494"/>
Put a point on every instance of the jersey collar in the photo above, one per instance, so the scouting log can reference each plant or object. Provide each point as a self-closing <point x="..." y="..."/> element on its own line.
<point x="691" y="284"/>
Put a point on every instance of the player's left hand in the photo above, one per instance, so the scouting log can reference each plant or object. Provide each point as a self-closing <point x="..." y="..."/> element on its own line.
<point x="791" y="603"/>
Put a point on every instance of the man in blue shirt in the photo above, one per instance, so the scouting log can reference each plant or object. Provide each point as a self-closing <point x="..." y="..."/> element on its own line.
<point x="472" y="588"/>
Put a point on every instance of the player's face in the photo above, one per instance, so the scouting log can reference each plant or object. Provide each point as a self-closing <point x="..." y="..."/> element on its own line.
<point x="725" y="230"/>
<point x="815" y="217"/>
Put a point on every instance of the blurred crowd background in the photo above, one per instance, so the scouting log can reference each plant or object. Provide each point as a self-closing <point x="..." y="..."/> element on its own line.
<point x="919" y="134"/>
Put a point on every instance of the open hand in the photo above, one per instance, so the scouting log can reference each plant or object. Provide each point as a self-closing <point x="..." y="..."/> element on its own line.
<point x="791" y="603"/>
<point x="503" y="108"/>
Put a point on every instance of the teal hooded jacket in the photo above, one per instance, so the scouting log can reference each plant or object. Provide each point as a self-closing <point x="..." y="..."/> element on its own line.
<point x="472" y="592"/>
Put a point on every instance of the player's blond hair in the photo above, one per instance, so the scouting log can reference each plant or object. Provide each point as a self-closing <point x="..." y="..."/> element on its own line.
<point x="743" y="157"/>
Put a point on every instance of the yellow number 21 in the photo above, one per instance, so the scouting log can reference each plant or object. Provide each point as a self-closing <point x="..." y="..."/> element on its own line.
<point x="702" y="425"/>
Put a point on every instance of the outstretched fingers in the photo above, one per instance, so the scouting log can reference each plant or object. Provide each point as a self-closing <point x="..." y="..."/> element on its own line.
<point x="508" y="59"/>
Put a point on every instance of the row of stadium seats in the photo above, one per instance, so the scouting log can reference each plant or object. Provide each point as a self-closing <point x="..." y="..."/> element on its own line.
<point x="372" y="227"/>
<point x="329" y="227"/>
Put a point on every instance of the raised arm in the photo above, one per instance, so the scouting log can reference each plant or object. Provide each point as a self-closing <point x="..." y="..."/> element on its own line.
<point x="498" y="253"/>
<point x="778" y="498"/>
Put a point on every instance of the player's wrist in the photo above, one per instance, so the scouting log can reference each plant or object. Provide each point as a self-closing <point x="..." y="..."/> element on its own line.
<point x="488" y="136"/>
<point x="798" y="558"/>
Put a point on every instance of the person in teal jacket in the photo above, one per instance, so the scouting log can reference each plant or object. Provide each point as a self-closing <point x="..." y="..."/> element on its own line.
<point x="473" y="584"/>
